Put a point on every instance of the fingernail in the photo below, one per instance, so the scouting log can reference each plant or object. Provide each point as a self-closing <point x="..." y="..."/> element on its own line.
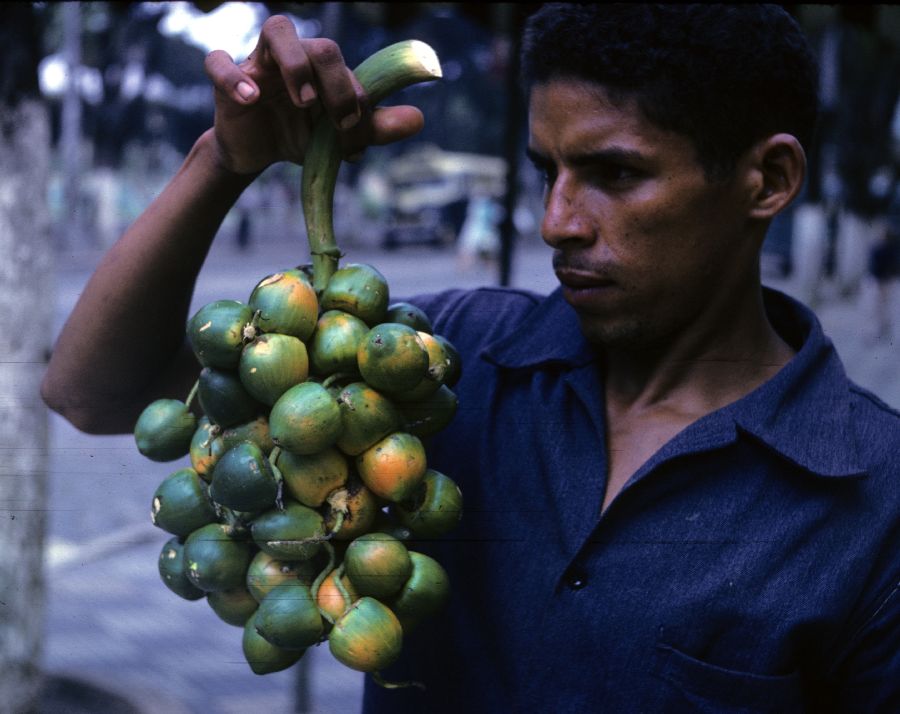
<point x="307" y="93"/>
<point x="245" y="90"/>
<point x="350" y="121"/>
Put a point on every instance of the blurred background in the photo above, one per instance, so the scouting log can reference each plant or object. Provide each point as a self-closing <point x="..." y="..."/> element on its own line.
<point x="100" y="102"/>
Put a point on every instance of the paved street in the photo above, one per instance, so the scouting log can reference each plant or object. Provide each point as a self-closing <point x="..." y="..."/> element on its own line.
<point x="113" y="623"/>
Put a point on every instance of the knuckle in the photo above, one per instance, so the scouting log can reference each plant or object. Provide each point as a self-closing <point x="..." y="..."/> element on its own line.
<point x="326" y="52"/>
<point x="277" y="23"/>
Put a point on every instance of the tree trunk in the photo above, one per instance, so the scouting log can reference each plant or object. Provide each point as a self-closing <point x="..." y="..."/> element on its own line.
<point x="26" y="311"/>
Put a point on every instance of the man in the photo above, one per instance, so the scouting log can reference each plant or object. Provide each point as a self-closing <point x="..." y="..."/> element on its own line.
<point x="675" y="500"/>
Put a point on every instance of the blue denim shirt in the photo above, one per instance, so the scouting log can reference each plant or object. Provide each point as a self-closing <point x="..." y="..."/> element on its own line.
<point x="751" y="565"/>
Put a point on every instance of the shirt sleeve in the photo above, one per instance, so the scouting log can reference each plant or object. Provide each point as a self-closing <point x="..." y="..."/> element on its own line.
<point x="869" y="677"/>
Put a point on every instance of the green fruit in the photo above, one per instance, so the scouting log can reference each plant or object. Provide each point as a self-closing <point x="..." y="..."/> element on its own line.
<point x="366" y="417"/>
<point x="224" y="399"/>
<point x="434" y="509"/>
<point x="271" y="364"/>
<point x="233" y="606"/>
<point x="377" y="564"/>
<point x="367" y="637"/>
<point x="215" y="559"/>
<point x="172" y="571"/>
<point x="164" y="430"/>
<point x="360" y="290"/>
<point x="394" y="467"/>
<point x="335" y="343"/>
<point x="288" y="617"/>
<point x="262" y="656"/>
<point x="243" y="480"/>
<point x="181" y="503"/>
<point x="408" y="314"/>
<point x="424" y="594"/>
<point x="265" y="572"/>
<point x="392" y="358"/>
<point x="310" y="478"/>
<point x="287" y="304"/>
<point x="292" y="533"/>
<point x="217" y="333"/>
<point x="306" y="419"/>
<point x="430" y="415"/>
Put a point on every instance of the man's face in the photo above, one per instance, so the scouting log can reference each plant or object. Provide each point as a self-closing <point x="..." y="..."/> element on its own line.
<point x="644" y="244"/>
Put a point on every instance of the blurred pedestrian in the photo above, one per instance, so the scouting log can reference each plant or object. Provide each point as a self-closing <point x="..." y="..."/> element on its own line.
<point x="479" y="236"/>
<point x="836" y="222"/>
<point x="884" y="267"/>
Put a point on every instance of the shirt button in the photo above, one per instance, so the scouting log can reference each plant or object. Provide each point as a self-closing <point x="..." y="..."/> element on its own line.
<point x="575" y="578"/>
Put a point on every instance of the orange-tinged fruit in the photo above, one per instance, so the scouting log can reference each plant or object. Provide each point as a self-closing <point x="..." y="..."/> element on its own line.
<point x="310" y="478"/>
<point x="287" y="304"/>
<point x="367" y="637"/>
<point x="394" y="467"/>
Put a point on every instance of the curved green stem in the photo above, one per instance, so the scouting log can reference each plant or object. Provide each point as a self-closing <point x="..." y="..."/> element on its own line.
<point x="348" y="601"/>
<point x="192" y="394"/>
<point x="317" y="583"/>
<point x="388" y="70"/>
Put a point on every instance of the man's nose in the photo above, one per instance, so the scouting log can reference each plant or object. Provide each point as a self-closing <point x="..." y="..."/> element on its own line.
<point x="565" y="220"/>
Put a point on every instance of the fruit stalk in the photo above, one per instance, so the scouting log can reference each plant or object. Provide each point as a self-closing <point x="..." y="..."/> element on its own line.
<point x="388" y="70"/>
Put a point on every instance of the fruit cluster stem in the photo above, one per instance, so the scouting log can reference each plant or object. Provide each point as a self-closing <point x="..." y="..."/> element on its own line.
<point x="388" y="70"/>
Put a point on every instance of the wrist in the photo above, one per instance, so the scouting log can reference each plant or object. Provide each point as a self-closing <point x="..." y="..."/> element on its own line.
<point x="208" y="153"/>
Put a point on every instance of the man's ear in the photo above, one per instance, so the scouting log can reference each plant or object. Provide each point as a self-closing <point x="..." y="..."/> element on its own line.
<point x="778" y="167"/>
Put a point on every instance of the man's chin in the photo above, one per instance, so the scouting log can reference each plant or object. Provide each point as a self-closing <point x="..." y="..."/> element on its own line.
<point x="618" y="334"/>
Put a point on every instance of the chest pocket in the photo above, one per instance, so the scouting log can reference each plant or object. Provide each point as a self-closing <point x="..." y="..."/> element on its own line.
<point x="703" y="687"/>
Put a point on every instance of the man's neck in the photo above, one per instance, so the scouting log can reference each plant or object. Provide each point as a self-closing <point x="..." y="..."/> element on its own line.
<point x="718" y="360"/>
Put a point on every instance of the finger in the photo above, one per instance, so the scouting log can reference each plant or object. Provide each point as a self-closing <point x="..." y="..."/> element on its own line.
<point x="387" y="125"/>
<point x="337" y="87"/>
<point x="229" y="79"/>
<point x="279" y="44"/>
<point x="392" y="124"/>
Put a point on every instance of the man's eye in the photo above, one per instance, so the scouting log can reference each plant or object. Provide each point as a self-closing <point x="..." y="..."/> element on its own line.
<point x="616" y="174"/>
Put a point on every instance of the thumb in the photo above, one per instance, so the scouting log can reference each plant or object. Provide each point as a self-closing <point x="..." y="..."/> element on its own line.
<point x="390" y="124"/>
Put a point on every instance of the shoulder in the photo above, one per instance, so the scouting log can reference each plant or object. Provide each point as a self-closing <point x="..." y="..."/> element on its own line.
<point x="877" y="431"/>
<point x="477" y="316"/>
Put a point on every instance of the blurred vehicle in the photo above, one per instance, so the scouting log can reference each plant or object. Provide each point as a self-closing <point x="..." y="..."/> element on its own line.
<point x="429" y="191"/>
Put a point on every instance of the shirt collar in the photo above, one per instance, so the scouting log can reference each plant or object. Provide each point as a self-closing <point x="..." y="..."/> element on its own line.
<point x="803" y="413"/>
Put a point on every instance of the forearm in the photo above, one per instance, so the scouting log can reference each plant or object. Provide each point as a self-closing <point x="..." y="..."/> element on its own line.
<point x="123" y="344"/>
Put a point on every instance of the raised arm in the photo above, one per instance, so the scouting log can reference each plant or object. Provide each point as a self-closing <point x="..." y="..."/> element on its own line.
<point x="123" y="345"/>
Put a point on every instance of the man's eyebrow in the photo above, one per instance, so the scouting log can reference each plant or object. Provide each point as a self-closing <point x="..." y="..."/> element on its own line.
<point x="613" y="154"/>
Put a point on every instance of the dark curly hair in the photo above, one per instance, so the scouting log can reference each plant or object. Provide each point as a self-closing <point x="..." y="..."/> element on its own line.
<point x="724" y="76"/>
